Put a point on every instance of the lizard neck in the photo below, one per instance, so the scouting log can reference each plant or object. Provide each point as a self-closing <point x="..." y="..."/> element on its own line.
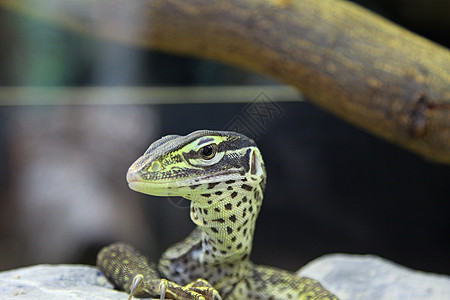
<point x="227" y="218"/>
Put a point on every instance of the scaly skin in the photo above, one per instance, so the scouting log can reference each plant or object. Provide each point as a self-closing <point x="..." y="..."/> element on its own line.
<point x="223" y="175"/>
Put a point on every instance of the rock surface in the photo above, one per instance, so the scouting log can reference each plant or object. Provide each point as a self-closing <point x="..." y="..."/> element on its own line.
<point x="57" y="282"/>
<point x="348" y="276"/>
<point x="370" y="277"/>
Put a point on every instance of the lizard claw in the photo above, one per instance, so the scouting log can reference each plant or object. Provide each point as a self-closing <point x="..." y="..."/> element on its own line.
<point x="136" y="285"/>
<point x="163" y="288"/>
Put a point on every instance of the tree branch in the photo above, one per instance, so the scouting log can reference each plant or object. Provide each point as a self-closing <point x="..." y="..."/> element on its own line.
<point x="344" y="58"/>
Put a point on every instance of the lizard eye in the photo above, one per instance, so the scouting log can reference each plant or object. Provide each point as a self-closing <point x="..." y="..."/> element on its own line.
<point x="208" y="151"/>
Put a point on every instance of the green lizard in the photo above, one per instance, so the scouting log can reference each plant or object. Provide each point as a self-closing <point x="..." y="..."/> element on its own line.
<point x="223" y="175"/>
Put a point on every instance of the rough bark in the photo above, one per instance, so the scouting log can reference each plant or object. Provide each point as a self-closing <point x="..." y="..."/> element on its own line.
<point x="344" y="58"/>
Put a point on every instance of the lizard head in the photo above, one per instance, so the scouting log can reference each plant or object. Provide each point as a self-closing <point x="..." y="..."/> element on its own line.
<point x="199" y="163"/>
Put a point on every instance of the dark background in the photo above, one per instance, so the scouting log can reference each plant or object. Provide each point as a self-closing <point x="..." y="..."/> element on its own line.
<point x="331" y="187"/>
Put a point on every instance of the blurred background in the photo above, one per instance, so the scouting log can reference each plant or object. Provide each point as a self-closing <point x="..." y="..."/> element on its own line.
<point x="64" y="154"/>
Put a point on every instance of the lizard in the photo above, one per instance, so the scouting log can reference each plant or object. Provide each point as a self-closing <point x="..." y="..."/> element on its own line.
<point x="223" y="175"/>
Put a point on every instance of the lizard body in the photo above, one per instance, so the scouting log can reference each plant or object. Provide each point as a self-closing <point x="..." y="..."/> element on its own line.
<point x="223" y="175"/>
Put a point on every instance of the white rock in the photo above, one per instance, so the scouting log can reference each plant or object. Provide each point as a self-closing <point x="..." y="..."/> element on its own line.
<point x="57" y="282"/>
<point x="369" y="277"/>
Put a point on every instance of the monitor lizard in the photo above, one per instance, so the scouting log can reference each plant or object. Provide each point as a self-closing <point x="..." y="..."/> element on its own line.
<point x="222" y="173"/>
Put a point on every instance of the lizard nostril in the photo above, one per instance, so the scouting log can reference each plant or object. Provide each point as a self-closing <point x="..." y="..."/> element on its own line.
<point x="155" y="166"/>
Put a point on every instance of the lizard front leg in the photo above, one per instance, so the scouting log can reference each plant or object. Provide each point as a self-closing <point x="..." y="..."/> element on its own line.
<point x="132" y="272"/>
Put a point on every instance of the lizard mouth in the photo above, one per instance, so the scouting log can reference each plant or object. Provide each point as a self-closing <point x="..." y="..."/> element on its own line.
<point x="133" y="177"/>
<point x="139" y="184"/>
<point x="134" y="181"/>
